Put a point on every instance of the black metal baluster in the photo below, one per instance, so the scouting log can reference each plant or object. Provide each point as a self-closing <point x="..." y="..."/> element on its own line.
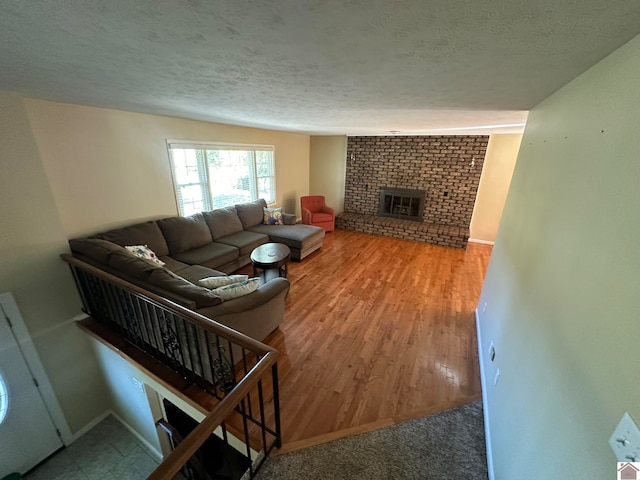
<point x="157" y="332"/>
<point x="79" y="287"/>
<point x="194" y="353"/>
<point x="210" y="369"/>
<point x="222" y="370"/>
<point x="183" y="343"/>
<point x="144" y="334"/>
<point x="276" y="404"/>
<point x="223" y="425"/>
<point x="262" y="418"/>
<point x="114" y="308"/>
<point x="169" y="339"/>
<point x="233" y="363"/>
<point x="247" y="441"/>
<point x="131" y="319"/>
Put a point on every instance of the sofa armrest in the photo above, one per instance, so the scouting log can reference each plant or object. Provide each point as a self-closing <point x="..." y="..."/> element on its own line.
<point x="306" y="216"/>
<point x="289" y="218"/>
<point x="329" y="210"/>
<point x="262" y="295"/>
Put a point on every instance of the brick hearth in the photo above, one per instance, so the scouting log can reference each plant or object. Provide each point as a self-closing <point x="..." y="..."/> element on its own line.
<point x="445" y="235"/>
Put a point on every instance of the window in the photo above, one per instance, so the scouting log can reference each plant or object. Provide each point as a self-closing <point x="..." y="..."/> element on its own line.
<point x="209" y="175"/>
<point x="4" y="399"/>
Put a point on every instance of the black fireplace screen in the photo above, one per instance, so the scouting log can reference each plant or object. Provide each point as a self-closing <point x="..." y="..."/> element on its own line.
<point x="401" y="203"/>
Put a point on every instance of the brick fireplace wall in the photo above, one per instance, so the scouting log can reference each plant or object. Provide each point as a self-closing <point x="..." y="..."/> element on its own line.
<point x="441" y="165"/>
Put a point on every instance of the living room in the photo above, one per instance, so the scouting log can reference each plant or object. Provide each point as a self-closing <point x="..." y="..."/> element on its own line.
<point x="69" y="181"/>
<point x="565" y="257"/>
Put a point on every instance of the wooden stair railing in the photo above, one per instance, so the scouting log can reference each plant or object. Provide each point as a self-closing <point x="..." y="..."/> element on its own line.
<point x="174" y="462"/>
<point x="215" y="368"/>
<point x="176" y="439"/>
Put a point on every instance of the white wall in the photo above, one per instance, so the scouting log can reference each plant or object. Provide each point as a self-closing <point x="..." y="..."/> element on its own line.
<point x="128" y="401"/>
<point x="327" y="172"/>
<point x="497" y="170"/>
<point x="563" y="284"/>
<point x="31" y="238"/>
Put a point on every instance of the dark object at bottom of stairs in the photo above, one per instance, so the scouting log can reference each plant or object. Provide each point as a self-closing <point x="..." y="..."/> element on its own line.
<point x="220" y="460"/>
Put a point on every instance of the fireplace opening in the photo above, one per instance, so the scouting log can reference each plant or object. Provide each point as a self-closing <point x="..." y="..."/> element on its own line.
<point x="401" y="203"/>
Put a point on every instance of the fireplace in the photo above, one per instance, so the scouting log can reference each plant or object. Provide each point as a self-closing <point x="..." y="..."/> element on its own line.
<point x="401" y="203"/>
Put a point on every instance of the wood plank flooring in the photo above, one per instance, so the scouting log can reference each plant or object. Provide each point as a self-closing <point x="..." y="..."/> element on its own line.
<point x="376" y="331"/>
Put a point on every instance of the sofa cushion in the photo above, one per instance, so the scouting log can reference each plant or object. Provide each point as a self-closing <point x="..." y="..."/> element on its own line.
<point x="147" y="233"/>
<point x="167" y="280"/>
<point x="245" y="242"/>
<point x="172" y="264"/>
<point x="296" y="236"/>
<point x="195" y="273"/>
<point x="239" y="289"/>
<point x="94" y="248"/>
<point x="250" y="214"/>
<point x="127" y="263"/>
<point x="221" y="281"/>
<point x="212" y="255"/>
<point x="321" y="217"/>
<point x="185" y="233"/>
<point x="223" y="222"/>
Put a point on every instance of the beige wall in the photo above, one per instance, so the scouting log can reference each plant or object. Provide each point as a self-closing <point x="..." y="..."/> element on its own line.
<point x="499" y="162"/>
<point x="109" y="167"/>
<point x="328" y="169"/>
<point x="31" y="238"/>
<point x="561" y="290"/>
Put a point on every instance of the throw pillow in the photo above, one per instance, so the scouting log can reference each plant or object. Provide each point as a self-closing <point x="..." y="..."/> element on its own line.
<point x="272" y="216"/>
<point x="236" y="290"/>
<point x="221" y="281"/>
<point x="142" y="251"/>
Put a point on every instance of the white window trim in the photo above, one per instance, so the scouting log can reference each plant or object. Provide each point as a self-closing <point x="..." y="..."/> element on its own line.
<point x="199" y="144"/>
<point x="4" y="398"/>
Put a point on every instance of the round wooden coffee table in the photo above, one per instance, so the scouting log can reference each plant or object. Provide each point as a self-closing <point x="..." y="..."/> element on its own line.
<point x="271" y="257"/>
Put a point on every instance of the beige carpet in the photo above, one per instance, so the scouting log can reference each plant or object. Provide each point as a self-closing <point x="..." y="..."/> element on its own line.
<point x="444" y="446"/>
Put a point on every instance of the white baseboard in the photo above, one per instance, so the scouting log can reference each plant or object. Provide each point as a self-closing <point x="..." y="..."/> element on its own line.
<point x="485" y="404"/>
<point x="152" y="450"/>
<point x="477" y="240"/>
<point x="91" y="424"/>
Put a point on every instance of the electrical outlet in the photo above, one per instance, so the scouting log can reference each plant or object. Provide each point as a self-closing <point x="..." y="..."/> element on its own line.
<point x="625" y="440"/>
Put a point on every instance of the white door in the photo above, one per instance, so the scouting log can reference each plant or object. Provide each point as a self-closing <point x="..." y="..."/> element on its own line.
<point x="27" y="432"/>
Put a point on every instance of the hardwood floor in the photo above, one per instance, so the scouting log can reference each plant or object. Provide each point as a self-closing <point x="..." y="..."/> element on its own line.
<point x="376" y="331"/>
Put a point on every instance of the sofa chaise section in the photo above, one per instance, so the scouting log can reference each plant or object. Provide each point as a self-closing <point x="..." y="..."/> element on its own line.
<point x="302" y="240"/>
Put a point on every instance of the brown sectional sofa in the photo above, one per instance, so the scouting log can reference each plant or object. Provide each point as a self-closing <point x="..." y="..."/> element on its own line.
<point x="204" y="245"/>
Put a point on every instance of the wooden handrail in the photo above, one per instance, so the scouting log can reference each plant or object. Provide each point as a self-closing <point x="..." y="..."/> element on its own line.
<point x="174" y="462"/>
<point x="193" y="316"/>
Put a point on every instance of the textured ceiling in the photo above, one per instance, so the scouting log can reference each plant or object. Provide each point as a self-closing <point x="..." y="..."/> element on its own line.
<point x="315" y="66"/>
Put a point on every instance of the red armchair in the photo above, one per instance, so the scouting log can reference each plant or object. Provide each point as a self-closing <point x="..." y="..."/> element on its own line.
<point x="316" y="212"/>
